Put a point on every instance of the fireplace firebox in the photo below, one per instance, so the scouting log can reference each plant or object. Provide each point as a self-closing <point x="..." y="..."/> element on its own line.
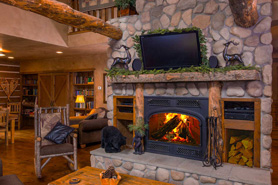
<point x="177" y="126"/>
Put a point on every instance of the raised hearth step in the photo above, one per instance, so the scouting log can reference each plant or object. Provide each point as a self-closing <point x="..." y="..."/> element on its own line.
<point x="155" y="164"/>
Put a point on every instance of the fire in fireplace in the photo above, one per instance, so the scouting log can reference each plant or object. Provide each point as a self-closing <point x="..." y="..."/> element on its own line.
<point x="174" y="127"/>
<point x="177" y="126"/>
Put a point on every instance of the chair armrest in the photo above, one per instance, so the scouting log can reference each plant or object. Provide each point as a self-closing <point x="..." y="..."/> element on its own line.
<point x="1" y="168"/>
<point x="38" y="139"/>
<point x="75" y="120"/>
<point x="73" y="135"/>
<point x="93" y="124"/>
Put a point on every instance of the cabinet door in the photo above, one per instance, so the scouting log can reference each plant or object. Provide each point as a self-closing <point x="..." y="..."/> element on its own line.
<point x="61" y="89"/>
<point x="45" y="91"/>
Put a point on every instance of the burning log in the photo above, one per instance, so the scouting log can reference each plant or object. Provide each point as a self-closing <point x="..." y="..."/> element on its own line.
<point x="169" y="126"/>
<point x="241" y="151"/>
<point x="186" y="134"/>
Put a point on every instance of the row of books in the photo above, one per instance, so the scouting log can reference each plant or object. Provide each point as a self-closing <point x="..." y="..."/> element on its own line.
<point x="83" y="79"/>
<point x="32" y="81"/>
<point x="88" y="105"/>
<point x="30" y="91"/>
<point x="85" y="92"/>
<point x="80" y="105"/>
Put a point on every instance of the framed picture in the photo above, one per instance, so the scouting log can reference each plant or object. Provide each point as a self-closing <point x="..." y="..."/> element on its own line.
<point x="105" y="86"/>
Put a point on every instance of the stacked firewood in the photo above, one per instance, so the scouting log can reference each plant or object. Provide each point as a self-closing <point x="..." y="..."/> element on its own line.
<point x="241" y="151"/>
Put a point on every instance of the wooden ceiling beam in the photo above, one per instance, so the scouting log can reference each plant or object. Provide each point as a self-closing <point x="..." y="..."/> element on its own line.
<point x="64" y="14"/>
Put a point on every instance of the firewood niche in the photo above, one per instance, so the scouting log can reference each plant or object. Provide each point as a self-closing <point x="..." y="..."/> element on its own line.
<point x="241" y="131"/>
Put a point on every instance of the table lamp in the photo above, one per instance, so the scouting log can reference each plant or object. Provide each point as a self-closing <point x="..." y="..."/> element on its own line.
<point x="80" y="99"/>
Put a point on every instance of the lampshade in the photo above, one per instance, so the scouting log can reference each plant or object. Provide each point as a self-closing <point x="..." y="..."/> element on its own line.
<point x="80" y="99"/>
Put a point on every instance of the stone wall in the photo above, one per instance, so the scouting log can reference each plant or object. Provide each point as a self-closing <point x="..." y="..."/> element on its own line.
<point x="214" y="17"/>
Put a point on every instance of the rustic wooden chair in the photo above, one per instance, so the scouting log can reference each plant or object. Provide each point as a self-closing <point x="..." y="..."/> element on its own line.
<point x="4" y="123"/>
<point x="48" y="150"/>
<point x="15" y="110"/>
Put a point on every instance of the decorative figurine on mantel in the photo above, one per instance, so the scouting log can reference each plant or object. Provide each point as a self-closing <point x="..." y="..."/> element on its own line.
<point x="231" y="58"/>
<point x="122" y="62"/>
<point x="139" y="129"/>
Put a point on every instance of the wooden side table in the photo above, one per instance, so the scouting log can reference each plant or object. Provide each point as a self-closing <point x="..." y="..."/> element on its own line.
<point x="90" y="176"/>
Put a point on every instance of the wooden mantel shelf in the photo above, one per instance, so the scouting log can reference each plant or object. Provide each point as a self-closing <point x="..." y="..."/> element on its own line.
<point x="236" y="75"/>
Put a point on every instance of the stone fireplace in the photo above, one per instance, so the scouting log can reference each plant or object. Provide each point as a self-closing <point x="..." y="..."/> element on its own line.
<point x="215" y="19"/>
<point x="177" y="126"/>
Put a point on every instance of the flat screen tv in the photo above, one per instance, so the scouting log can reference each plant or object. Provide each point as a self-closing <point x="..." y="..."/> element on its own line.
<point x="170" y="50"/>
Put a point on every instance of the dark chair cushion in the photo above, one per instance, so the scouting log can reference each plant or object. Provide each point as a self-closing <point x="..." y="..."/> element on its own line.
<point x="10" y="180"/>
<point x="91" y="116"/>
<point x="59" y="133"/>
<point x="56" y="149"/>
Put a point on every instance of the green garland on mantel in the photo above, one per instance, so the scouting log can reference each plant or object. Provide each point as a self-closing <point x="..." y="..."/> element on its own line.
<point x="203" y="68"/>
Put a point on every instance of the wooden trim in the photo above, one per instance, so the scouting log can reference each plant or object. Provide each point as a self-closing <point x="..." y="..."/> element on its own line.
<point x="257" y="134"/>
<point x="104" y="89"/>
<point x="60" y="71"/>
<point x="239" y="124"/>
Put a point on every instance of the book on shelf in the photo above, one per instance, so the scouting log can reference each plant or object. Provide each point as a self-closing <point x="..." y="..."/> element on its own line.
<point x="90" y="105"/>
<point x="30" y="91"/>
<point x="80" y="105"/>
<point x="84" y="92"/>
<point x="31" y="81"/>
<point x="83" y="79"/>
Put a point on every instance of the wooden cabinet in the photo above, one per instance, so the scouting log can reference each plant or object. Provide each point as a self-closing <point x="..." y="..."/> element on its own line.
<point x="82" y="84"/>
<point x="239" y="127"/>
<point x="124" y="115"/>
<point x="53" y="89"/>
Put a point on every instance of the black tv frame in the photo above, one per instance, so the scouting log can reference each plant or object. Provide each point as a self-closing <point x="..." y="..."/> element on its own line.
<point x="166" y="34"/>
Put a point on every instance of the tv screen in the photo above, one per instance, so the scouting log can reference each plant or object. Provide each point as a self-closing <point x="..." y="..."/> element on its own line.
<point x="171" y="50"/>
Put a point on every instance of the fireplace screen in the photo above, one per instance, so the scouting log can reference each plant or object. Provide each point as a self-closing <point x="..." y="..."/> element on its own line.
<point x="174" y="128"/>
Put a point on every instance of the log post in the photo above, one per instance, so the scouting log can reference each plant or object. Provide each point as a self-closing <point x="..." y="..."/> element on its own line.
<point x="139" y="103"/>
<point x="64" y="14"/>
<point x="215" y="108"/>
<point x="244" y="12"/>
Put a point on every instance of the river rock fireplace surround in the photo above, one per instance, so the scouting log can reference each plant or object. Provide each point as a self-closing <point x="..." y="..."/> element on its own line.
<point x="215" y="19"/>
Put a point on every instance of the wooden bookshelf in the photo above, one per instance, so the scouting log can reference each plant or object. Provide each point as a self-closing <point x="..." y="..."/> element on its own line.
<point x="82" y="84"/>
<point x="124" y="114"/>
<point x="29" y="89"/>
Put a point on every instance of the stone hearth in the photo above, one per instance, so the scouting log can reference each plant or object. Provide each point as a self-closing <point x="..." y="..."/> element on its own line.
<point x="178" y="170"/>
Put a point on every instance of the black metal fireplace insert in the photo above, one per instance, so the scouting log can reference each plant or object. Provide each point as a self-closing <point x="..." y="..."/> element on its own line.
<point x="177" y="126"/>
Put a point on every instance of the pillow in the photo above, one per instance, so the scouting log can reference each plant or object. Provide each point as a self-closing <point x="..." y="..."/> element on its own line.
<point x="101" y="113"/>
<point x="91" y="116"/>
<point x="93" y="111"/>
<point x="59" y="133"/>
<point x="48" y="121"/>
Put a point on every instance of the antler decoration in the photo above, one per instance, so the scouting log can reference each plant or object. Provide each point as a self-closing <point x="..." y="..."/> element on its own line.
<point x="9" y="87"/>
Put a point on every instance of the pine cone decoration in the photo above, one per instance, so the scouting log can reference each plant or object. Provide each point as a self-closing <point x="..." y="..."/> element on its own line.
<point x="109" y="173"/>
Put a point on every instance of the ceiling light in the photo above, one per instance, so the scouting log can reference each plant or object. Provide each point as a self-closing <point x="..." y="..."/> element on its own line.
<point x="59" y="52"/>
<point x="10" y="57"/>
<point x="1" y="49"/>
<point x="2" y="54"/>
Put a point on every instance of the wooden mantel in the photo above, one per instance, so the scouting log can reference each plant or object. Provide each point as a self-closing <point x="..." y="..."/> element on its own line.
<point x="236" y="75"/>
